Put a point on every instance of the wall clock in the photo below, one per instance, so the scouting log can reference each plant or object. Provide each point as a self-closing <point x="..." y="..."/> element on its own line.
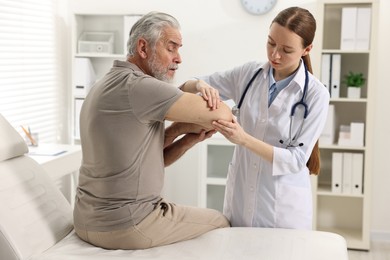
<point x="258" y="7"/>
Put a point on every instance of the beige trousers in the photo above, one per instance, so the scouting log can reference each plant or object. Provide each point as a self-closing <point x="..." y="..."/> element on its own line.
<point x="167" y="224"/>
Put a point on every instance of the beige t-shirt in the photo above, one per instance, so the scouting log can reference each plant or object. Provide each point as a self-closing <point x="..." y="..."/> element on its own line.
<point x="122" y="136"/>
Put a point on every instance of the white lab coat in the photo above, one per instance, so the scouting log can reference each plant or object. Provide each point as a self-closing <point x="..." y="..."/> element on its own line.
<point x="260" y="193"/>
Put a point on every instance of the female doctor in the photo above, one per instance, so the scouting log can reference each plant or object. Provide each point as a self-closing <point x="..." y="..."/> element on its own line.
<point x="276" y="129"/>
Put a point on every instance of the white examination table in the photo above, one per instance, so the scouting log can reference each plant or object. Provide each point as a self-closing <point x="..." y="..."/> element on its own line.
<point x="220" y="244"/>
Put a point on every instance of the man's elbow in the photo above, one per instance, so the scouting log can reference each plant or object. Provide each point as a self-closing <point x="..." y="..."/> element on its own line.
<point x="224" y="112"/>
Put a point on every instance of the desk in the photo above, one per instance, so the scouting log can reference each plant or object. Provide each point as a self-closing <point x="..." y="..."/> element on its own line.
<point x="62" y="168"/>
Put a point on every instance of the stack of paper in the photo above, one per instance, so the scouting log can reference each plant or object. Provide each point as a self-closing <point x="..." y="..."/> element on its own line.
<point x="352" y="135"/>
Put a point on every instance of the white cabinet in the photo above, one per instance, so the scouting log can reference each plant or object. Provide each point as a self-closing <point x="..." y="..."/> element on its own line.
<point x="216" y="155"/>
<point x="98" y="40"/>
<point x="340" y="210"/>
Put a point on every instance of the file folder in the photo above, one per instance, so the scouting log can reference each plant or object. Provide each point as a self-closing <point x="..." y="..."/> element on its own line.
<point x="84" y="76"/>
<point x="347" y="173"/>
<point x="357" y="173"/>
<point x="335" y="75"/>
<point x="325" y="70"/>
<point x="328" y="133"/>
<point x="337" y="170"/>
<point x="348" y="28"/>
<point x="78" y="102"/>
<point x="363" y="26"/>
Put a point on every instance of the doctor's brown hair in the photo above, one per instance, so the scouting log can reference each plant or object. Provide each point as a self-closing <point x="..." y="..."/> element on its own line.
<point x="301" y="22"/>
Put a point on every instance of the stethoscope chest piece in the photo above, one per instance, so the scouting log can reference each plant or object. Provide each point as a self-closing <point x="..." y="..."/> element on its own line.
<point x="235" y="111"/>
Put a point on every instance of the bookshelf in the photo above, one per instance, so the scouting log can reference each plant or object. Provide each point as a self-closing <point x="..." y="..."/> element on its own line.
<point x="342" y="211"/>
<point x="216" y="154"/>
<point x="92" y="60"/>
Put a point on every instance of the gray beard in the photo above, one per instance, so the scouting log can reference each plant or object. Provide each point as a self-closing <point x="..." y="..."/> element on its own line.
<point x="157" y="71"/>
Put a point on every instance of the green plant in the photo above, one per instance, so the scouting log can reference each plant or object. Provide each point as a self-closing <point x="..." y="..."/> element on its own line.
<point x="356" y="80"/>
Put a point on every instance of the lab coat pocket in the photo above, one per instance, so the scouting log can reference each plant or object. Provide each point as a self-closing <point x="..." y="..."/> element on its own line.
<point x="293" y="207"/>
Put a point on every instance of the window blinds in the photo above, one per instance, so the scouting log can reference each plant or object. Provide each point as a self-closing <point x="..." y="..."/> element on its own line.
<point x="29" y="74"/>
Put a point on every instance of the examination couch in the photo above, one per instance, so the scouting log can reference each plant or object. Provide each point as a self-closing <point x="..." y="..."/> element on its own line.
<point x="36" y="224"/>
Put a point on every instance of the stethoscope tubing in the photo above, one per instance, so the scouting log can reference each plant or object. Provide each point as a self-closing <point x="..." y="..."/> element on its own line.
<point x="301" y="102"/>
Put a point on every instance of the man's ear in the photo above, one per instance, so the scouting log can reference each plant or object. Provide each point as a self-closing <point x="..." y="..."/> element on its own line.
<point x="142" y="46"/>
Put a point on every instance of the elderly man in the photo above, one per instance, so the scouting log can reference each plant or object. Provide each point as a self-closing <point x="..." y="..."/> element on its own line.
<point x="125" y="145"/>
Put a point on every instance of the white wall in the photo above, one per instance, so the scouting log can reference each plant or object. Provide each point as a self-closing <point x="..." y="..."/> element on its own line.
<point x="381" y="170"/>
<point x="217" y="35"/>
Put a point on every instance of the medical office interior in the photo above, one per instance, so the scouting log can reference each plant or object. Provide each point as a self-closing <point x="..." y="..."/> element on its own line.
<point x="217" y="35"/>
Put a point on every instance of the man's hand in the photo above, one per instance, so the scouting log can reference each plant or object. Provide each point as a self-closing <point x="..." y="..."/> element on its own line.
<point x="176" y="149"/>
<point x="191" y="138"/>
<point x="178" y="128"/>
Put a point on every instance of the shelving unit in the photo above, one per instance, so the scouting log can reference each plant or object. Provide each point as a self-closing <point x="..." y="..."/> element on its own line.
<point x="119" y="25"/>
<point x="346" y="214"/>
<point x="216" y="154"/>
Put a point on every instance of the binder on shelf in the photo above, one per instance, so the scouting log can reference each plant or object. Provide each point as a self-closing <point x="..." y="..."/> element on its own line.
<point x="347" y="173"/>
<point x="348" y="28"/>
<point x="337" y="172"/>
<point x="84" y="76"/>
<point x="357" y="173"/>
<point x="335" y="75"/>
<point x="325" y="70"/>
<point x="328" y="133"/>
<point x="363" y="26"/>
<point x="78" y="102"/>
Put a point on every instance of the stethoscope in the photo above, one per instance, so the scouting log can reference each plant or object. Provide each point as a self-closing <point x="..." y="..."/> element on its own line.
<point x="291" y="141"/>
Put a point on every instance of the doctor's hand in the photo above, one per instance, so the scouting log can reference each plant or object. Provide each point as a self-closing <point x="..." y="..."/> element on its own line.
<point x="231" y="130"/>
<point x="210" y="94"/>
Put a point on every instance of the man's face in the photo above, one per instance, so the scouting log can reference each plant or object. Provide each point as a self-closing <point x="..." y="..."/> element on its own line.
<point x="164" y="61"/>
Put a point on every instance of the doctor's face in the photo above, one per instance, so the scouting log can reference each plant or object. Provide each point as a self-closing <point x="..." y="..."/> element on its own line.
<point x="284" y="50"/>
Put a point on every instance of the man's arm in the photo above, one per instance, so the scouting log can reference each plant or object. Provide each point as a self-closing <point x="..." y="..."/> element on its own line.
<point x="191" y="108"/>
<point x="194" y="119"/>
<point x="175" y="150"/>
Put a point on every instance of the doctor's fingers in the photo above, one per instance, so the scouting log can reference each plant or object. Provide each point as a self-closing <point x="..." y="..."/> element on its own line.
<point x="232" y="134"/>
<point x="225" y="127"/>
<point x="210" y="94"/>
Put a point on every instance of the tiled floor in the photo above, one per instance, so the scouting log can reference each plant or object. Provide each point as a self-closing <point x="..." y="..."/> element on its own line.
<point x="380" y="250"/>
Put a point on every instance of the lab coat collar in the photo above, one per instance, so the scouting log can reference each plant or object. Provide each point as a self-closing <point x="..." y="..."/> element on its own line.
<point x="299" y="78"/>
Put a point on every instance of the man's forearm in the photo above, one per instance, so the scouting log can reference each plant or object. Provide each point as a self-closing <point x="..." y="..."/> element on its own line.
<point x="177" y="128"/>
<point x="176" y="150"/>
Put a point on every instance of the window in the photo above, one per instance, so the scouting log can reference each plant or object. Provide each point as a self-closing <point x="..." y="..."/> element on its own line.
<point x="31" y="92"/>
